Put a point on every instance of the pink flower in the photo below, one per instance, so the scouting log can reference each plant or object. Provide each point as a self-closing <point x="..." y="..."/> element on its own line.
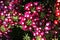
<point x="33" y="6"/>
<point x="29" y="19"/>
<point x="47" y="28"/>
<point x="28" y="6"/>
<point x="35" y="3"/>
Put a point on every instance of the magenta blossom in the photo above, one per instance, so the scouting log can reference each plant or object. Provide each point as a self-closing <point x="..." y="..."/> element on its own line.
<point x="28" y="20"/>
<point x="33" y="6"/>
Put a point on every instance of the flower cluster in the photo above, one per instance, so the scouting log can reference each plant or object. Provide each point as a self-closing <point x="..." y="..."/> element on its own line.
<point x="35" y="18"/>
<point x="8" y="17"/>
<point x="31" y="20"/>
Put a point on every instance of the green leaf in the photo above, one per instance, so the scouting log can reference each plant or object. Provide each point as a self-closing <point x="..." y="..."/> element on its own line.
<point x="38" y="38"/>
<point x="42" y="14"/>
<point x="26" y="37"/>
<point x="42" y="27"/>
<point x="20" y="27"/>
<point x="51" y="17"/>
<point x="29" y="22"/>
<point x="15" y="18"/>
<point x="2" y="28"/>
<point x="2" y="17"/>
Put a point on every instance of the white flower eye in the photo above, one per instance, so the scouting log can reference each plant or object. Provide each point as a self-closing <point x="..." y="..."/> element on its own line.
<point x="22" y="22"/>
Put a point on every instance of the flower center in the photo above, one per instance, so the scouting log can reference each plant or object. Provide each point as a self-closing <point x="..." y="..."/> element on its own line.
<point x="28" y="22"/>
